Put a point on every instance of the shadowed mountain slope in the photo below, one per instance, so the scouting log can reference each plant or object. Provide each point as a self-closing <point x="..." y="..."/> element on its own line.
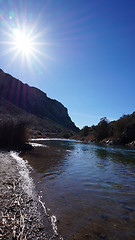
<point x="19" y="98"/>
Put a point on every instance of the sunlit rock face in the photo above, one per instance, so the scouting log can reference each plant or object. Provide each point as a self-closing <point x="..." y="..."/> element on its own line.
<point x="34" y="101"/>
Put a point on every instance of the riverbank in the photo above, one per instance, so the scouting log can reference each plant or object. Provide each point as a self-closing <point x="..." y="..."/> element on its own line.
<point x="106" y="141"/>
<point x="21" y="214"/>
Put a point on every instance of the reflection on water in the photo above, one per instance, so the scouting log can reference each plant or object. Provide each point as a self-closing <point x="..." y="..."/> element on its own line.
<point x="90" y="189"/>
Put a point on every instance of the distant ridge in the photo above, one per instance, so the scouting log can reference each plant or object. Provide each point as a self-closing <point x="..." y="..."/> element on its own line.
<point x="21" y="99"/>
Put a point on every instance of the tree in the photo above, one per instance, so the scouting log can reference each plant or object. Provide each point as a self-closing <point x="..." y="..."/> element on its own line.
<point x="101" y="130"/>
<point x="85" y="131"/>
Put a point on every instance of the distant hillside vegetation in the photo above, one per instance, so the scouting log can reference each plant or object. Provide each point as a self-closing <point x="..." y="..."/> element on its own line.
<point x="44" y="115"/>
<point x="121" y="131"/>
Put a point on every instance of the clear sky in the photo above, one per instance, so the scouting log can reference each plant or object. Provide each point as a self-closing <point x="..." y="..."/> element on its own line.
<point x="80" y="52"/>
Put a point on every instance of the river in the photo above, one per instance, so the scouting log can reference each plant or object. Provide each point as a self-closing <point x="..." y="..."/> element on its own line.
<point x="90" y="189"/>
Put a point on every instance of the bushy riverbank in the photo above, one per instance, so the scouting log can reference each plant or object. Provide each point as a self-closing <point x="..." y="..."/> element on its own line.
<point x="13" y="132"/>
<point x="120" y="132"/>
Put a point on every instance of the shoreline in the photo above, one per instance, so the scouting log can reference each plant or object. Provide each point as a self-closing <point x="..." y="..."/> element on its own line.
<point x="21" y="213"/>
<point x="106" y="141"/>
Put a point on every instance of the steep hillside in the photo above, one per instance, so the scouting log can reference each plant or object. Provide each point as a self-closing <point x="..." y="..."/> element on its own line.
<point x="33" y="104"/>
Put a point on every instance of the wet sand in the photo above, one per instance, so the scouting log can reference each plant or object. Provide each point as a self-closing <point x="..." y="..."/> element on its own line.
<point x="21" y="214"/>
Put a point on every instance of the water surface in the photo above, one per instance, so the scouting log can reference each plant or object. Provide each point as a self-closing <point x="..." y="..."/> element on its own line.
<point x="89" y="188"/>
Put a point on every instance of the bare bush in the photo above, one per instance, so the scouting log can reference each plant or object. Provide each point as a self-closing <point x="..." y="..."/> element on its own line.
<point x="13" y="131"/>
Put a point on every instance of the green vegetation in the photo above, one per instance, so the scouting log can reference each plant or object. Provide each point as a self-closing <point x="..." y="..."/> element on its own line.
<point x="121" y="131"/>
<point x="13" y="132"/>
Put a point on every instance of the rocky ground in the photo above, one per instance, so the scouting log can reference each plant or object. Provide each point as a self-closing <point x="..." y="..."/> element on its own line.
<point x="21" y="214"/>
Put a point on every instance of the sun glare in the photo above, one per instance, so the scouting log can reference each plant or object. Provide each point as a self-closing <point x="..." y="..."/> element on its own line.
<point x="22" y="41"/>
<point x="25" y="44"/>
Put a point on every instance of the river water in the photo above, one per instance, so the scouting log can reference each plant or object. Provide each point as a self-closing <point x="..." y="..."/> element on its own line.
<point x="89" y="188"/>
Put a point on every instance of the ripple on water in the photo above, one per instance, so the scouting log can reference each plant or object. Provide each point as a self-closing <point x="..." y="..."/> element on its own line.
<point x="89" y="188"/>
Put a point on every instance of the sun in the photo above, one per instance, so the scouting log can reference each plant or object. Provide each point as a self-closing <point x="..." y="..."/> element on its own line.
<point x="22" y="42"/>
<point x="26" y="46"/>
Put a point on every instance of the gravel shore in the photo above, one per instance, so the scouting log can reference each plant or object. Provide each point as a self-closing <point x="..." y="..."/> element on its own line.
<point x="21" y="214"/>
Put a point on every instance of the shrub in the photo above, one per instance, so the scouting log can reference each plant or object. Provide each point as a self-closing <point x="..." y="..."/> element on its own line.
<point x="85" y="131"/>
<point x="13" y="132"/>
<point x="102" y="129"/>
<point x="124" y="128"/>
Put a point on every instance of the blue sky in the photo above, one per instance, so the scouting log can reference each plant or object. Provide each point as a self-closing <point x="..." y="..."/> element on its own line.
<point x="84" y="53"/>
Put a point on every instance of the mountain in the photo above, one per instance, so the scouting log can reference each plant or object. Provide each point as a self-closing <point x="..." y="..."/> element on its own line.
<point x="44" y="114"/>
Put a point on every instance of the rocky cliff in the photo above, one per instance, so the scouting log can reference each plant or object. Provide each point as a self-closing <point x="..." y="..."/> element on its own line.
<point x="30" y="100"/>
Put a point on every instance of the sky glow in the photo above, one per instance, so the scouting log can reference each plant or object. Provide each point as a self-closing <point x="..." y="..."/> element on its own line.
<point x="81" y="53"/>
